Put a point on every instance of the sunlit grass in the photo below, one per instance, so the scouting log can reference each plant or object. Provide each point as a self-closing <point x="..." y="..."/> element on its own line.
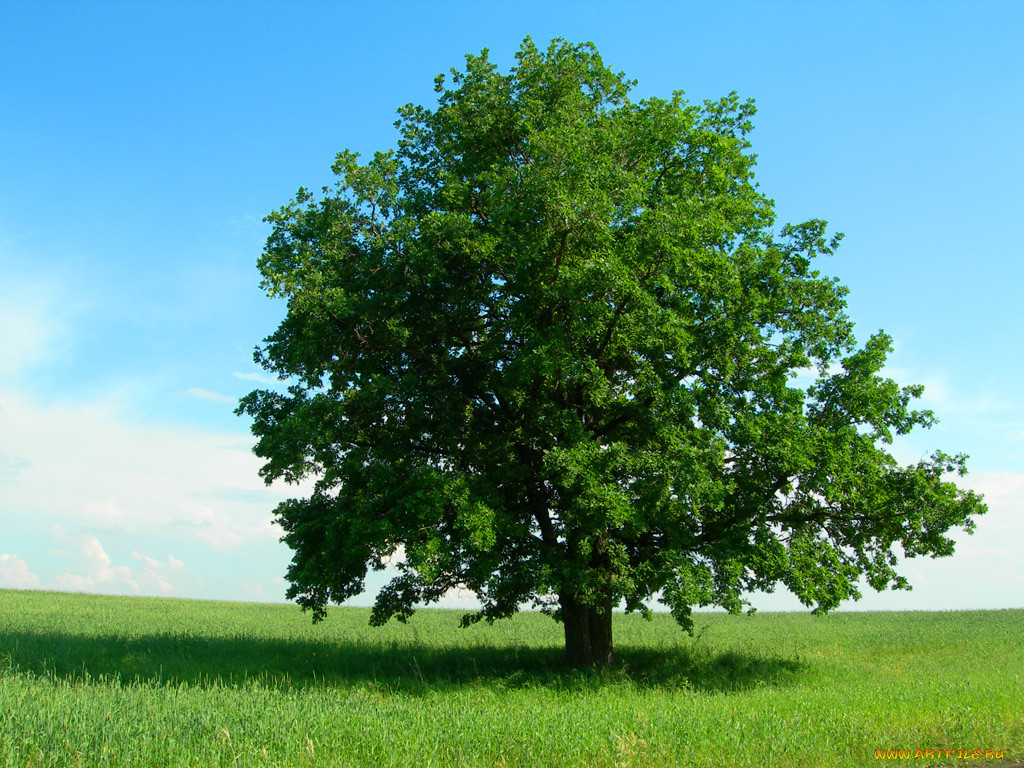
<point x="90" y="680"/>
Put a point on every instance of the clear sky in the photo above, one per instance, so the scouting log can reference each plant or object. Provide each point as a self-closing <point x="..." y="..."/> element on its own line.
<point x="141" y="144"/>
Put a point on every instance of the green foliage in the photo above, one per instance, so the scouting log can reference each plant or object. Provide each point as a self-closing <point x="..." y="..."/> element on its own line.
<point x="550" y="349"/>
<point x="113" y="681"/>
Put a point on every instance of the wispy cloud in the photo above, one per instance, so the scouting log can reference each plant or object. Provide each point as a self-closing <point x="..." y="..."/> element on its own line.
<point x="11" y="465"/>
<point x="1002" y="490"/>
<point x="220" y="529"/>
<point x="104" y="514"/>
<point x="247" y="221"/>
<point x="32" y="323"/>
<point x="205" y="394"/>
<point x="241" y="495"/>
<point x="258" y="377"/>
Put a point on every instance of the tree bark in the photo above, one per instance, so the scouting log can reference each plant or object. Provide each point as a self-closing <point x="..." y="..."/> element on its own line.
<point x="588" y="634"/>
<point x="576" y="620"/>
<point x="601" y="634"/>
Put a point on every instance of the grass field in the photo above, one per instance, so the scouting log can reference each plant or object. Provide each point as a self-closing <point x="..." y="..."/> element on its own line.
<point x="92" y="680"/>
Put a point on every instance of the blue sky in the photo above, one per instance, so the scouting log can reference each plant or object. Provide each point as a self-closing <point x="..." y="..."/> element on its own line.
<point x="142" y="144"/>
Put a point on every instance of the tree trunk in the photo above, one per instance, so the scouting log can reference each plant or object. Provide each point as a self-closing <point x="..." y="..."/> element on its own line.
<point x="576" y="620"/>
<point x="588" y="634"/>
<point x="601" y="634"/>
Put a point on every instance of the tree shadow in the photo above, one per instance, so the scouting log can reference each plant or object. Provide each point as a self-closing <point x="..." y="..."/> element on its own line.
<point x="704" y="669"/>
<point x="406" y="667"/>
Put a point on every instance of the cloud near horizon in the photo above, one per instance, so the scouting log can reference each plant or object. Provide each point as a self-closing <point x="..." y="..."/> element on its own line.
<point x="92" y="570"/>
<point x="15" y="573"/>
<point x="86" y="472"/>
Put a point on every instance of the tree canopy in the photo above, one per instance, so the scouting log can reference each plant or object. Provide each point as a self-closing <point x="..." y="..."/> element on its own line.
<point x="553" y="349"/>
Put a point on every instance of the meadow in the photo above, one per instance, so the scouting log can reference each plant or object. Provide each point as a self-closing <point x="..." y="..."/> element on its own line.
<point x="114" y="681"/>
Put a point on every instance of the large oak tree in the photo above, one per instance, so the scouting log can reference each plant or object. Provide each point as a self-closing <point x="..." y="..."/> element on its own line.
<point x="554" y="349"/>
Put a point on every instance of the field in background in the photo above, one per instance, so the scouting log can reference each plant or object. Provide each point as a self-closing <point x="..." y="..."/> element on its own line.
<point x="92" y="680"/>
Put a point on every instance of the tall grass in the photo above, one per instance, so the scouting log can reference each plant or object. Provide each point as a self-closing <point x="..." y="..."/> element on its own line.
<point x="92" y="680"/>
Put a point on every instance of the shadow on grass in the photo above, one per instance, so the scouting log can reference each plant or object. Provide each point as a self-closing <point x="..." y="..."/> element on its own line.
<point x="398" y="667"/>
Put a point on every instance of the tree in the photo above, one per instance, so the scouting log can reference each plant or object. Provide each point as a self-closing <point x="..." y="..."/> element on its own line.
<point x="551" y="349"/>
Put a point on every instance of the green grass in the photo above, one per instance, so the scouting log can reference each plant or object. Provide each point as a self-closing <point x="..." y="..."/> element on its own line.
<point x="91" y="680"/>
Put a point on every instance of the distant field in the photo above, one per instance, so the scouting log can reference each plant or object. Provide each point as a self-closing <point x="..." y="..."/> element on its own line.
<point x="90" y="680"/>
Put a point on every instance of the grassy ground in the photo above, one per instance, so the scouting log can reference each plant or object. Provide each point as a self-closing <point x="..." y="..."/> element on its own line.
<point x="90" y="680"/>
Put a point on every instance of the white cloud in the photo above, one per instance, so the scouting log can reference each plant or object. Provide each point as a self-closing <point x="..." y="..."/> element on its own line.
<point x="172" y="564"/>
<point x="94" y="570"/>
<point x="15" y="573"/>
<point x="985" y="570"/>
<point x="128" y="477"/>
<point x="219" y="528"/>
<point x="1001" y="529"/>
<point x="72" y="582"/>
<point x="258" y="377"/>
<point x="999" y="487"/>
<point x="460" y="598"/>
<point x="159" y="572"/>
<point x="105" y="514"/>
<point x="154" y="489"/>
<point x="953" y="400"/>
<point x="205" y="394"/>
<point x="1006" y="577"/>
